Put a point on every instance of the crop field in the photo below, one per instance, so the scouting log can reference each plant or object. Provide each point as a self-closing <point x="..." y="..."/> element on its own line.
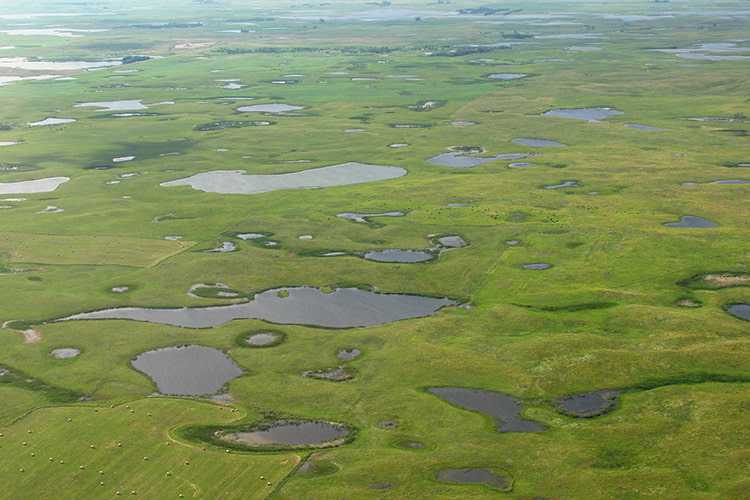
<point x="413" y="249"/>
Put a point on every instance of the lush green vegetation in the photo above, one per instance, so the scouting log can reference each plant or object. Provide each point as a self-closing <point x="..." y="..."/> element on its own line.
<point x="627" y="303"/>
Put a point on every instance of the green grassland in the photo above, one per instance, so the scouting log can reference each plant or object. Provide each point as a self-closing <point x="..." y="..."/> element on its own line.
<point x="606" y="315"/>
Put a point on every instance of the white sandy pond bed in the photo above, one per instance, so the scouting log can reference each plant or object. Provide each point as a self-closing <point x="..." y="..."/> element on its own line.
<point x="238" y="182"/>
<point x="36" y="186"/>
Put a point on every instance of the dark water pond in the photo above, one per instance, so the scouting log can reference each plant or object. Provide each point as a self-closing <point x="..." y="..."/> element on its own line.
<point x="504" y="409"/>
<point x="348" y="354"/>
<point x="538" y="267"/>
<point x="536" y="143"/>
<point x="343" y="308"/>
<point x="394" y="255"/>
<point x="588" y="114"/>
<point x="590" y="404"/>
<point x="740" y="310"/>
<point x="689" y="221"/>
<point x="562" y="185"/>
<point x="261" y="338"/>
<point x="472" y="476"/>
<point x="191" y="370"/>
<point x="293" y="433"/>
<point x="458" y="160"/>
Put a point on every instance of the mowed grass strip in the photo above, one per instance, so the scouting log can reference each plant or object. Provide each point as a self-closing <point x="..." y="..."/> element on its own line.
<point x="72" y="450"/>
<point x="96" y="250"/>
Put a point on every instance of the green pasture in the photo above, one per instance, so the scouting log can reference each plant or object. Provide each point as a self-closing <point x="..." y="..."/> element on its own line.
<point x="627" y="303"/>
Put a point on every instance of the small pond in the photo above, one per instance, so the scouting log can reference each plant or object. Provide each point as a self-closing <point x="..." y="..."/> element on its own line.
<point x="191" y="370"/>
<point x="740" y="311"/>
<point x="348" y="354"/>
<point x="564" y="184"/>
<point x="363" y="217"/>
<point x="452" y="241"/>
<point x="536" y="143"/>
<point x="127" y="105"/>
<point x="644" y="127"/>
<point x="293" y="433"/>
<point x="226" y="246"/>
<point x="337" y="374"/>
<point x="398" y="145"/>
<point x="251" y="236"/>
<point x="587" y="114"/>
<point x="237" y="182"/>
<point x="65" y="353"/>
<point x="473" y="476"/>
<point x="537" y="267"/>
<point x="507" y="76"/>
<point x="458" y="160"/>
<point x="51" y="121"/>
<point x="394" y="255"/>
<point x="504" y="409"/>
<point x="269" y="108"/>
<point x="36" y="186"/>
<point x="521" y="164"/>
<point x="342" y="308"/>
<point x="716" y="182"/>
<point x="590" y="404"/>
<point x="261" y="338"/>
<point x="690" y="221"/>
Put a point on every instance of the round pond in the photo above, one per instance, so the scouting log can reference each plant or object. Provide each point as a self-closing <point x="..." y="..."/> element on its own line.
<point x="190" y="370"/>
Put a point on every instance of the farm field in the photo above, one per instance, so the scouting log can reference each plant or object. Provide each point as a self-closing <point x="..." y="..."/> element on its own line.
<point x="355" y="249"/>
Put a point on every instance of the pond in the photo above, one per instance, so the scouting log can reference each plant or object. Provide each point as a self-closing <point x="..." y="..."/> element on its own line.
<point x="348" y="354"/>
<point x="587" y="114"/>
<point x="452" y="241"/>
<point x="537" y="267"/>
<point x="337" y="374"/>
<point x="536" y="143"/>
<point x="190" y="370"/>
<point x="23" y="63"/>
<point x="65" y="353"/>
<point x="472" y="476"/>
<point x="51" y="121"/>
<point x="226" y="246"/>
<point x="564" y="184"/>
<point x="342" y="308"/>
<point x="458" y="160"/>
<point x="261" y="338"/>
<point x="644" y="127"/>
<point x="590" y="404"/>
<point x="504" y="409"/>
<point x="363" y="217"/>
<point x="741" y="311"/>
<point x="521" y="164"/>
<point x="36" y="186"/>
<point x="293" y="433"/>
<point x="251" y="236"/>
<point x="690" y="221"/>
<point x="269" y="108"/>
<point x="237" y="182"/>
<point x="127" y="105"/>
<point x="507" y="76"/>
<point x="715" y="182"/>
<point x="393" y="255"/>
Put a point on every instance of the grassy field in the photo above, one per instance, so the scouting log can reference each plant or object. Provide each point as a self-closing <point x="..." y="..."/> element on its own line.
<point x="623" y="306"/>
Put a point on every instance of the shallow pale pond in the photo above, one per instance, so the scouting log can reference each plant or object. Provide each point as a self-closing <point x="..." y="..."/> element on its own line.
<point x="237" y="182"/>
<point x="36" y="186"/>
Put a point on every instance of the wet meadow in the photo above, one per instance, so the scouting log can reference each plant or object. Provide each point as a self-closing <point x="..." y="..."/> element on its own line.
<point x="483" y="250"/>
